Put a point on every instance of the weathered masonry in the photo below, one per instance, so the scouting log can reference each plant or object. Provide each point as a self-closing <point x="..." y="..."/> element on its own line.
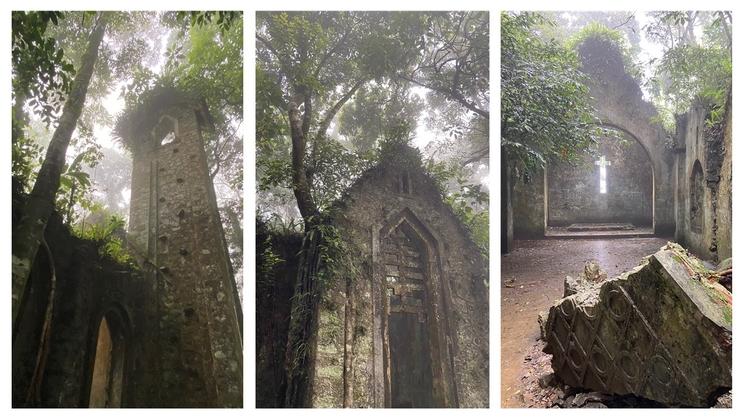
<point x="79" y="339"/>
<point x="404" y="323"/>
<point x="93" y="332"/>
<point x="665" y="184"/>
<point x="175" y="225"/>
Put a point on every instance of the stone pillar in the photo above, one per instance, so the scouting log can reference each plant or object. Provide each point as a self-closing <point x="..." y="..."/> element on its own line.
<point x="175" y="225"/>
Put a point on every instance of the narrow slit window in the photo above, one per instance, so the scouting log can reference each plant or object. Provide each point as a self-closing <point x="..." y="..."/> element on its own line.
<point x="603" y="163"/>
<point x="404" y="184"/>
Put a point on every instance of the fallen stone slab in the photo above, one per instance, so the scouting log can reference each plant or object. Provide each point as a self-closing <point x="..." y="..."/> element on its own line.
<point x="660" y="331"/>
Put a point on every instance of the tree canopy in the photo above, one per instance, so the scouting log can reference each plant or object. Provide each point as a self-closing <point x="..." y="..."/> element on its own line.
<point x="696" y="62"/>
<point x="677" y="57"/>
<point x="546" y="111"/>
<point x="199" y="52"/>
<point x="332" y="87"/>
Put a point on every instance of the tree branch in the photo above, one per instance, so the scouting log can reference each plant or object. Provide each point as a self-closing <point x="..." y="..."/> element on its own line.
<point x="457" y="96"/>
<point x="331" y="113"/>
<point x="268" y="45"/>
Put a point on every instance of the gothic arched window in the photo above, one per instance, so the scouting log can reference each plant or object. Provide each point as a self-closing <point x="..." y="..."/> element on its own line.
<point x="108" y="365"/>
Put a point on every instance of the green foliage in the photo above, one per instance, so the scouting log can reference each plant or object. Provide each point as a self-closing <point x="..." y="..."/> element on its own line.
<point x="41" y="72"/>
<point x="26" y="160"/>
<point x="224" y="20"/>
<point x="469" y="201"/>
<point x="599" y="31"/>
<point x="108" y="233"/>
<point x="337" y="260"/>
<point x="267" y="260"/>
<point x="336" y="169"/>
<point x="692" y="68"/>
<point x="569" y="24"/>
<point x="694" y="71"/>
<point x="366" y="120"/>
<point x="546" y="114"/>
<point x="75" y="184"/>
<point x="454" y="61"/>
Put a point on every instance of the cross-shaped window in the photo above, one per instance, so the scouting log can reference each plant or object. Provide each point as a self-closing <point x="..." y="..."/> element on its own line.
<point x="603" y="175"/>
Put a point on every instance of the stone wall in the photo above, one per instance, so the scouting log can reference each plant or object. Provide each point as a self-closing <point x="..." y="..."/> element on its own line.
<point x="618" y="100"/>
<point x="704" y="184"/>
<point x="88" y="287"/>
<point x="529" y="206"/>
<point x="276" y="266"/>
<point x="574" y="189"/>
<point x="724" y="193"/>
<point x="175" y="225"/>
<point x="507" y="222"/>
<point x="350" y="361"/>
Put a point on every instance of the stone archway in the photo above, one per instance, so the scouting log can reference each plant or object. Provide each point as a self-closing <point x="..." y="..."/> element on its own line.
<point x="108" y="370"/>
<point x="415" y="363"/>
<point x="619" y="102"/>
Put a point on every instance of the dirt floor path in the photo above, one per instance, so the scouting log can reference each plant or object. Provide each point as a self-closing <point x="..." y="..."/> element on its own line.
<point x="532" y="279"/>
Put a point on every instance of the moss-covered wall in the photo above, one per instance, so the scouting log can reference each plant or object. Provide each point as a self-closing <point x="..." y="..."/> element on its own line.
<point x="574" y="189"/>
<point x="176" y="226"/>
<point x="528" y="206"/>
<point x="619" y="102"/>
<point x="351" y="329"/>
<point x="724" y="194"/>
<point x="88" y="286"/>
<point x="711" y="147"/>
<point x="276" y="273"/>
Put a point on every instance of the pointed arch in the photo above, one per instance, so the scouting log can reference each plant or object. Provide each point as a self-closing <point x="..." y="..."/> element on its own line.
<point x="411" y="302"/>
<point x="166" y="130"/>
<point x="108" y="358"/>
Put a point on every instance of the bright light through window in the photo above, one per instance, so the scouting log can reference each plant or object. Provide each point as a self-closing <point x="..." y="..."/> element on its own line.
<point x="603" y="175"/>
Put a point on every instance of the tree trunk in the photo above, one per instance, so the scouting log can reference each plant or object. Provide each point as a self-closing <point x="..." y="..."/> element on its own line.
<point x="27" y="235"/>
<point x="20" y="119"/>
<point x="300" y="181"/>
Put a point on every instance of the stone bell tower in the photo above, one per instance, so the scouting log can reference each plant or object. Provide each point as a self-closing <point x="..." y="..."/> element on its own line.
<point x="174" y="226"/>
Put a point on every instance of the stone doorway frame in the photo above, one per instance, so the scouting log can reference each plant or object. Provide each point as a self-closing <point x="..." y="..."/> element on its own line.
<point x="443" y="380"/>
<point x="119" y="326"/>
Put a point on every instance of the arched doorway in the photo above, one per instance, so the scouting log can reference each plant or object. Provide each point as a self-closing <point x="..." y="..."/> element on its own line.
<point x="613" y="184"/>
<point x="107" y="377"/>
<point x="416" y="357"/>
<point x="696" y="198"/>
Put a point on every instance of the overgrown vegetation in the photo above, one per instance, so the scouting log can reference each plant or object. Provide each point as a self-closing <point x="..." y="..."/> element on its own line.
<point x="615" y="37"/>
<point x="67" y="70"/>
<point x="469" y="202"/>
<point x="696" y="64"/>
<point x="546" y="111"/>
<point x="334" y="90"/>
<point x="355" y="79"/>
<point x="109" y="234"/>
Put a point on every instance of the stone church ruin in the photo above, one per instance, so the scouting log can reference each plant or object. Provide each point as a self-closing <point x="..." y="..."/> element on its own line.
<point x="659" y="332"/>
<point x="165" y="332"/>
<point x="402" y="323"/>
